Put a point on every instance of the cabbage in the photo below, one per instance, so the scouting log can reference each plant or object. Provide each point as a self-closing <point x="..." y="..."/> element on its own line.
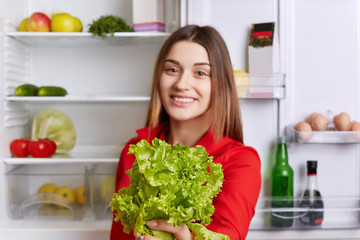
<point x="55" y="125"/>
<point x="172" y="183"/>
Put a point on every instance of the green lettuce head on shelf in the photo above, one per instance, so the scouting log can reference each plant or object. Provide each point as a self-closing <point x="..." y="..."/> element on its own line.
<point x="55" y="125"/>
<point x="177" y="183"/>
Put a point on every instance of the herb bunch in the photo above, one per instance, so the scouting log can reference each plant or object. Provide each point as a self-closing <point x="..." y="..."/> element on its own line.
<point x="109" y="24"/>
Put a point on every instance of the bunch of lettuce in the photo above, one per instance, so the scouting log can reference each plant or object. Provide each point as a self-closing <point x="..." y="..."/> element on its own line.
<point x="53" y="124"/>
<point x="169" y="182"/>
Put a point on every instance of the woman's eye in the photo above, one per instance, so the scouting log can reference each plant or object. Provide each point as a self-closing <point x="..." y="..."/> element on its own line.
<point x="201" y="73"/>
<point x="171" y="70"/>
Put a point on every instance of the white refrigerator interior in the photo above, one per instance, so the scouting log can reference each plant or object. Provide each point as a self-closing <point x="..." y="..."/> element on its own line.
<point x="109" y="82"/>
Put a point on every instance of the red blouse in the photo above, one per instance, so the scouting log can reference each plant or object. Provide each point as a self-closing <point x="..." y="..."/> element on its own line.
<point x="234" y="205"/>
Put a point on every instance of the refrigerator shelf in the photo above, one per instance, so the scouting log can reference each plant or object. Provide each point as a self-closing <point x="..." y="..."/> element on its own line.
<point x="79" y="39"/>
<point x="80" y="154"/>
<point x="81" y="98"/>
<point x="322" y="136"/>
<point x="338" y="213"/>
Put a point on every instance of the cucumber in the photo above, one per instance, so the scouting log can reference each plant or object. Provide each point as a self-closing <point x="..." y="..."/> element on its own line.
<point x="26" y="90"/>
<point x="46" y="91"/>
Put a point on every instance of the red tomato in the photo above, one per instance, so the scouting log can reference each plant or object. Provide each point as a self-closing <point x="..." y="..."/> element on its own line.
<point x="40" y="149"/>
<point x="53" y="145"/>
<point x="19" y="147"/>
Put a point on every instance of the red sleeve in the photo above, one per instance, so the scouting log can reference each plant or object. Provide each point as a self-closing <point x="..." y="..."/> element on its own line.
<point x="122" y="180"/>
<point x="235" y="204"/>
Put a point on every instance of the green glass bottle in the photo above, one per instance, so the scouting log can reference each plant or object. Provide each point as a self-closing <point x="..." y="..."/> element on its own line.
<point x="282" y="184"/>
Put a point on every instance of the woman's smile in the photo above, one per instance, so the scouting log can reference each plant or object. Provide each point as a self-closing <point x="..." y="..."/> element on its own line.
<point x="182" y="101"/>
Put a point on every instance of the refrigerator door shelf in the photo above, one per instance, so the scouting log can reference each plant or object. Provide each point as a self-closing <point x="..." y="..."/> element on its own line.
<point x="323" y="136"/>
<point x="260" y="86"/>
<point x="338" y="213"/>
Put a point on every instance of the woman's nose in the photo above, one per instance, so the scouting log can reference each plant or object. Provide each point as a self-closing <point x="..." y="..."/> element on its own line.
<point x="184" y="81"/>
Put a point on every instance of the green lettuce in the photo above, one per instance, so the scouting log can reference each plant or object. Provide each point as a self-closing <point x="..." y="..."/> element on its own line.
<point x="172" y="183"/>
<point x="51" y="123"/>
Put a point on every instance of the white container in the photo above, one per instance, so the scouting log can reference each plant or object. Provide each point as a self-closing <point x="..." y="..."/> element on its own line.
<point x="148" y="15"/>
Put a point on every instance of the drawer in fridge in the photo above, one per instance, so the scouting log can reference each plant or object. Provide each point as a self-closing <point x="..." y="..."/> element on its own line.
<point x="46" y="191"/>
<point x="102" y="187"/>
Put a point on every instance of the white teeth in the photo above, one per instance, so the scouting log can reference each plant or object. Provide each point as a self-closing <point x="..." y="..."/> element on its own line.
<point x="178" y="99"/>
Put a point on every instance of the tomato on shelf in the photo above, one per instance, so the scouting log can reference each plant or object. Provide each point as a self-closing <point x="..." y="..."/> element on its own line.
<point x="53" y="146"/>
<point x="42" y="148"/>
<point x="19" y="147"/>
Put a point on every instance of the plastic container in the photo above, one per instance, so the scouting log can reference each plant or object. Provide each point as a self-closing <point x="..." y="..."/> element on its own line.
<point x="102" y="188"/>
<point x="26" y="202"/>
<point x="260" y="86"/>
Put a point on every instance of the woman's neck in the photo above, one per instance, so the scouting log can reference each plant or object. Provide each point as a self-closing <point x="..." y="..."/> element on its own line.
<point x="186" y="132"/>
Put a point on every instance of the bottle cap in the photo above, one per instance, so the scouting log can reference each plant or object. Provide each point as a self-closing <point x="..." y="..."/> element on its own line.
<point x="311" y="164"/>
<point x="282" y="139"/>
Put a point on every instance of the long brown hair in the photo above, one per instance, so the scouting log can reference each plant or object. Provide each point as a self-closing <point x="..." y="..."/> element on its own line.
<point x="224" y="103"/>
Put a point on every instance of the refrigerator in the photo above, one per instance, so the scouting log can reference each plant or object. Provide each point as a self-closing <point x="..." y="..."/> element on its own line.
<point x="109" y="82"/>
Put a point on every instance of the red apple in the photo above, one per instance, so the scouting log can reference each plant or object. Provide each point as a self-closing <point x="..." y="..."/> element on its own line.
<point x="39" y="22"/>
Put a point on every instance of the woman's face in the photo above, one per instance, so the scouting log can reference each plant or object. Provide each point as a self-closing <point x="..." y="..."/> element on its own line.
<point x="185" y="82"/>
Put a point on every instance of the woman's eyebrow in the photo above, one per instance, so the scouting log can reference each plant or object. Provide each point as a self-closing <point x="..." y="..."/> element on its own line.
<point x="195" y="64"/>
<point x="202" y="63"/>
<point x="172" y="61"/>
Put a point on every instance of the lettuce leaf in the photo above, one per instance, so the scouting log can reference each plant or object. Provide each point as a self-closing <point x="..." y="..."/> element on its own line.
<point x="169" y="182"/>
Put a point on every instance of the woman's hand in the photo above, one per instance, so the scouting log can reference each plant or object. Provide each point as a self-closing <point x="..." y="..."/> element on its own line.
<point x="180" y="233"/>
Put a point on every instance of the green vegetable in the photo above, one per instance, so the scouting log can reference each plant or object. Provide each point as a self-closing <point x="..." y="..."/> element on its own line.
<point x="51" y="91"/>
<point x="26" y="90"/>
<point x="169" y="183"/>
<point x="109" y="24"/>
<point x="55" y="125"/>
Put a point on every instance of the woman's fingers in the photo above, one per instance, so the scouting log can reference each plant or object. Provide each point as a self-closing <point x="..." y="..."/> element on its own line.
<point x="181" y="233"/>
<point x="144" y="237"/>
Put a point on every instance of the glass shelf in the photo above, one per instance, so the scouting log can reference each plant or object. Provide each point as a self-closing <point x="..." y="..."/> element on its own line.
<point x="57" y="39"/>
<point x="81" y="98"/>
<point x="322" y="136"/>
<point x="80" y="154"/>
<point x="260" y="86"/>
<point x="338" y="213"/>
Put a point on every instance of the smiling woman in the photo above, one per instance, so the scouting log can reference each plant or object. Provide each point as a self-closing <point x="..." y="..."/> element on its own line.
<point x="185" y="86"/>
<point x="194" y="102"/>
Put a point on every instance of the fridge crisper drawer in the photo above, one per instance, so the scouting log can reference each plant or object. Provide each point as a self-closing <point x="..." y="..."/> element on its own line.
<point x="337" y="213"/>
<point x="47" y="191"/>
<point x="102" y="185"/>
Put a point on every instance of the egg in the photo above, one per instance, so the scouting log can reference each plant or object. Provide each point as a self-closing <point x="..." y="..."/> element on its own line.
<point x="355" y="126"/>
<point x="318" y="122"/>
<point x="304" y="129"/>
<point x="342" y="122"/>
<point x="311" y="116"/>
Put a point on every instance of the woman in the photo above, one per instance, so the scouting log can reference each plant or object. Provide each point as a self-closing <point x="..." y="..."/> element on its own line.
<point x="194" y="102"/>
